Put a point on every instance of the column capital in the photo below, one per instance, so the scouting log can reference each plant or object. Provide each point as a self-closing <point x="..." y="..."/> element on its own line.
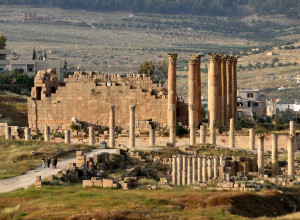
<point x="274" y="135"/>
<point x="199" y="56"/>
<point x="234" y="59"/>
<point x="291" y="137"/>
<point x="224" y="58"/>
<point x="229" y="60"/>
<point x="183" y="156"/>
<point x="172" y="57"/>
<point x="132" y="107"/>
<point x="112" y="107"/>
<point x="214" y="57"/>
<point x="261" y="136"/>
<point x="193" y="61"/>
<point x="172" y="107"/>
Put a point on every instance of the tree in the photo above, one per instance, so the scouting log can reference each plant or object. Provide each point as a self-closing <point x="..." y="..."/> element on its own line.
<point x="147" y="67"/>
<point x="33" y="54"/>
<point x="2" y="41"/>
<point x="65" y="64"/>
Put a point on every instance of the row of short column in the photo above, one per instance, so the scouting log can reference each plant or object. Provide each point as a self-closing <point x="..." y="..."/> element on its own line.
<point x="222" y="89"/>
<point x="274" y="156"/>
<point x="188" y="170"/>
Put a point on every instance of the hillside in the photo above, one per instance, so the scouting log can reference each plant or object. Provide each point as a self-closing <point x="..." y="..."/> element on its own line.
<point x="204" y="7"/>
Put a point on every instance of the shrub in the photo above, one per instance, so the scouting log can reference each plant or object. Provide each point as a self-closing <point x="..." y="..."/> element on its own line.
<point x="180" y="131"/>
<point x="75" y="127"/>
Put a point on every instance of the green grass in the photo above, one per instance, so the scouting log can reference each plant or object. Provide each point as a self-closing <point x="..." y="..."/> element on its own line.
<point x="16" y="159"/>
<point x="75" y="202"/>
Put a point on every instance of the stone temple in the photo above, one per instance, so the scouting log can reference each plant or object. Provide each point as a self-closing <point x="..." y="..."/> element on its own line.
<point x="87" y="97"/>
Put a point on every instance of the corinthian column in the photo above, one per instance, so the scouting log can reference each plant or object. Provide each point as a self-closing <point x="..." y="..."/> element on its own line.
<point x="172" y="125"/>
<point x="213" y="88"/>
<point x="192" y="124"/>
<point x="198" y="91"/>
<point x="132" y="127"/>
<point x="274" y="155"/>
<point x="251" y="139"/>
<point x="112" y="126"/>
<point x="47" y="134"/>
<point x="234" y="88"/>
<point x="172" y="96"/>
<point x="224" y="89"/>
<point x="291" y="156"/>
<point x="91" y="135"/>
<point x="293" y="132"/>
<point x="260" y="155"/>
<point x="228" y="90"/>
<point x="192" y="97"/>
<point x="174" y="170"/>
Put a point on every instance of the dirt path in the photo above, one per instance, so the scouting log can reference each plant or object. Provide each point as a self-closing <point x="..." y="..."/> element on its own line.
<point x="23" y="181"/>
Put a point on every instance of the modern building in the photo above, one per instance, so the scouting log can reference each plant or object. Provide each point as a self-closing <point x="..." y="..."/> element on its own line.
<point x="30" y="67"/>
<point x="250" y="103"/>
<point x="3" y="59"/>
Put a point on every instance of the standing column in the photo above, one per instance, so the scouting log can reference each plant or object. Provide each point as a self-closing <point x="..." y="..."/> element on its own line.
<point x="174" y="170"/>
<point x="67" y="136"/>
<point x="7" y="133"/>
<point x="202" y="134"/>
<point x="209" y="167"/>
<point x="251" y="139"/>
<point x="152" y="137"/>
<point x="184" y="170"/>
<point x="224" y="89"/>
<point x="260" y="155"/>
<point x="234" y="88"/>
<point x="198" y="96"/>
<point x="274" y="155"/>
<point x="189" y="167"/>
<point x="172" y="135"/>
<point x="232" y="134"/>
<point x="47" y="133"/>
<point x="112" y="125"/>
<point x="219" y="81"/>
<point x="192" y="124"/>
<point x="179" y="170"/>
<point x="293" y="132"/>
<point x="132" y="127"/>
<point x="27" y="134"/>
<point x="199" y="169"/>
<point x="204" y="169"/>
<point x="213" y="87"/>
<point x="192" y="98"/>
<point x="91" y="135"/>
<point x="216" y="175"/>
<point x="194" y="169"/>
<point x="291" y="156"/>
<point x="228" y="90"/>
<point x="212" y="131"/>
<point x="172" y="96"/>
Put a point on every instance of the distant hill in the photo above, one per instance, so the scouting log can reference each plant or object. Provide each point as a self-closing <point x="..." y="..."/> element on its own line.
<point x="196" y="7"/>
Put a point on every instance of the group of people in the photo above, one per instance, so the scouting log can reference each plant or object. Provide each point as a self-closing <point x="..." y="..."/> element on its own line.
<point x="54" y="163"/>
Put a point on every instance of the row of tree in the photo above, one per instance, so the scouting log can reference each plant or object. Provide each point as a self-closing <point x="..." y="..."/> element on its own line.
<point x="198" y="7"/>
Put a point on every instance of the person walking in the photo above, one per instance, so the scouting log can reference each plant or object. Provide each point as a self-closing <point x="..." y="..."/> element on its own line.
<point x="43" y="160"/>
<point x="55" y="163"/>
<point x="49" y="162"/>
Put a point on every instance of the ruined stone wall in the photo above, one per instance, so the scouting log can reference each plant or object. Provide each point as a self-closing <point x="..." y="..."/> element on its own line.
<point x="87" y="97"/>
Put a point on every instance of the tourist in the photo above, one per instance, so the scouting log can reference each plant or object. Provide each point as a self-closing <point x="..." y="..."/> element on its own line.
<point x="49" y="162"/>
<point x="55" y="162"/>
<point x="43" y="160"/>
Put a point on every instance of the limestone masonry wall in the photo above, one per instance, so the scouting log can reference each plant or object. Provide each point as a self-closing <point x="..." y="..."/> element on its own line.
<point x="87" y="97"/>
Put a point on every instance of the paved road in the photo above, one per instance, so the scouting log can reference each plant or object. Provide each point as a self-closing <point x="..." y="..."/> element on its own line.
<point x="23" y="181"/>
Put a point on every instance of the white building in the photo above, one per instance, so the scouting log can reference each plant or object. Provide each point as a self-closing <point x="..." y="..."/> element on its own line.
<point x="3" y="61"/>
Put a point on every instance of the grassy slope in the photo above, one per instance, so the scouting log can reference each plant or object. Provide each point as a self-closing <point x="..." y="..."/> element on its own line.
<point x="57" y="202"/>
<point x="16" y="159"/>
<point x="13" y="109"/>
